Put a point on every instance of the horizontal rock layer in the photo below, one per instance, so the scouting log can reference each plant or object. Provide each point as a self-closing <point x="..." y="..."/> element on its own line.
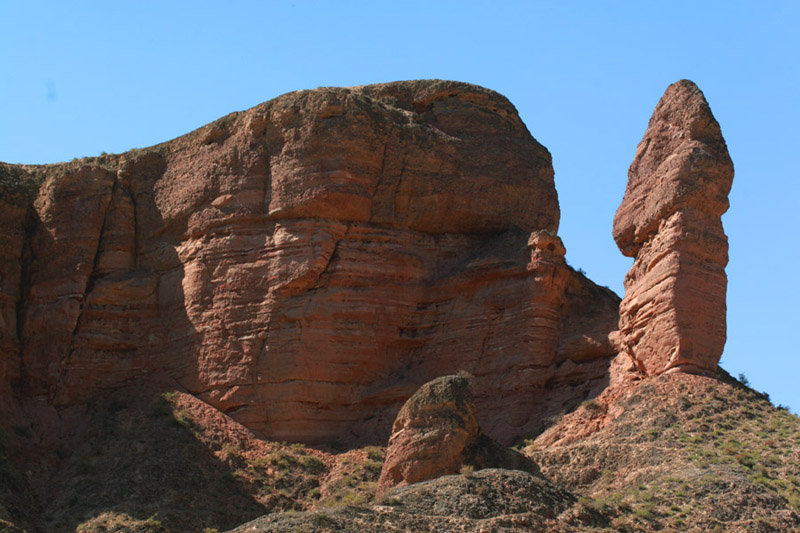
<point x="306" y="265"/>
<point x="673" y="313"/>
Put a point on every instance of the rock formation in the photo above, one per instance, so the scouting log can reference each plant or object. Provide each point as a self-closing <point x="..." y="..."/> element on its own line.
<point x="304" y="266"/>
<point x="673" y="313"/>
<point x="17" y="193"/>
<point x="437" y="432"/>
<point x="296" y="271"/>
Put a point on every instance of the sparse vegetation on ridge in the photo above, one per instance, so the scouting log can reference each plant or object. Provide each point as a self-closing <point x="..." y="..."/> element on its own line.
<point x="688" y="452"/>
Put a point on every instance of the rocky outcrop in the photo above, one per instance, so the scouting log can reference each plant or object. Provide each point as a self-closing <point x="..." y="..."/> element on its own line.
<point x="304" y="266"/>
<point x="673" y="313"/>
<point x="490" y="500"/>
<point x="436" y="433"/>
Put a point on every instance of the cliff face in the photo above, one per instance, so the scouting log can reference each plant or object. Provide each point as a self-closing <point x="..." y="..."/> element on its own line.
<point x="17" y="195"/>
<point x="673" y="313"/>
<point x="296" y="271"/>
<point x="305" y="265"/>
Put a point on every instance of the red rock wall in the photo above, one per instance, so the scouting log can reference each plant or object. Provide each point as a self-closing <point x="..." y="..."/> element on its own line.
<point x="306" y="265"/>
<point x="673" y="313"/>
<point x="13" y="210"/>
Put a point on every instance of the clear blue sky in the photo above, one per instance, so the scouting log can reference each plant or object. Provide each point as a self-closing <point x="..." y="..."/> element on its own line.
<point x="80" y="78"/>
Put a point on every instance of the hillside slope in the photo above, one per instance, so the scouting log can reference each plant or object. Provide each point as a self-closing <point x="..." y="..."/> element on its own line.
<point x="672" y="453"/>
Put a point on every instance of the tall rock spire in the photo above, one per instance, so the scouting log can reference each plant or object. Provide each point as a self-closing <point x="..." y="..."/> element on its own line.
<point x="673" y="313"/>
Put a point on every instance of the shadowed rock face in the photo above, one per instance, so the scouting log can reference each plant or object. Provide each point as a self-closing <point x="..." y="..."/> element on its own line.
<point x="673" y="313"/>
<point x="304" y="266"/>
<point x="17" y="194"/>
<point x="436" y="432"/>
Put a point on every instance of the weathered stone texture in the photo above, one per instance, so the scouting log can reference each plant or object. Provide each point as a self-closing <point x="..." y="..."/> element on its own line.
<point x="306" y="265"/>
<point x="436" y="433"/>
<point x="673" y="313"/>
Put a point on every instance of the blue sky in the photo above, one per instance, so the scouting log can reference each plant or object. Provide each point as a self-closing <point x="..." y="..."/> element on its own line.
<point x="80" y="78"/>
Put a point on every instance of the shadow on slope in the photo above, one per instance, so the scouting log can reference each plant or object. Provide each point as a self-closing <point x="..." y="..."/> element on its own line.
<point x="134" y="461"/>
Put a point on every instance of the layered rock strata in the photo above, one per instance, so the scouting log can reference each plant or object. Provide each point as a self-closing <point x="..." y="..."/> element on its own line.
<point x="436" y="433"/>
<point x="304" y="266"/>
<point x="673" y="313"/>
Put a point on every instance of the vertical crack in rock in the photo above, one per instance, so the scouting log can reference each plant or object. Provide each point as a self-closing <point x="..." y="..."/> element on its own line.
<point x="380" y="213"/>
<point x="89" y="285"/>
<point x="63" y="249"/>
<point x="26" y="260"/>
<point x="673" y="313"/>
<point x="382" y="170"/>
<point x="136" y="249"/>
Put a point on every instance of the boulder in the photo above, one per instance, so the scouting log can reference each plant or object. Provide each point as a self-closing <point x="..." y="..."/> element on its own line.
<point x="436" y="433"/>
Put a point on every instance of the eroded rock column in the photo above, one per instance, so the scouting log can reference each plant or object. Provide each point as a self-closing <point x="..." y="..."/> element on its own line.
<point x="549" y="270"/>
<point x="673" y="313"/>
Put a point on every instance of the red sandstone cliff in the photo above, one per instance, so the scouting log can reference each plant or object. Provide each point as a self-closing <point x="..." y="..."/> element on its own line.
<point x="305" y="265"/>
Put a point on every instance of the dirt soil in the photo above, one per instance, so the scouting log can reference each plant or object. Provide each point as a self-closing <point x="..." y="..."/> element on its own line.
<point x="675" y="452"/>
